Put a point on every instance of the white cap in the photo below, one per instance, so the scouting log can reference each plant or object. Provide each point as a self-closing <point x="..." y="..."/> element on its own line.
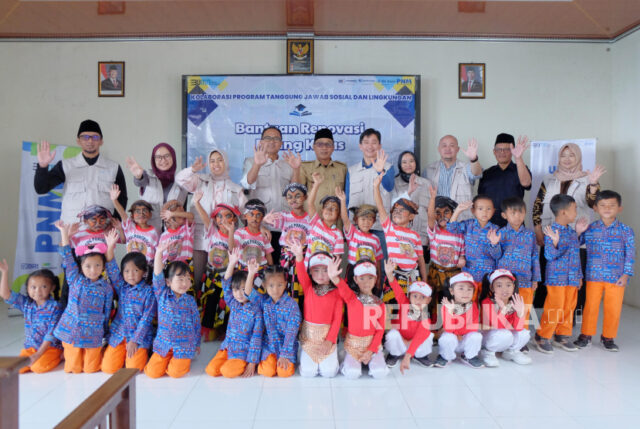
<point x="365" y="268"/>
<point x="420" y="287"/>
<point x="461" y="278"/>
<point x="318" y="259"/>
<point x="501" y="273"/>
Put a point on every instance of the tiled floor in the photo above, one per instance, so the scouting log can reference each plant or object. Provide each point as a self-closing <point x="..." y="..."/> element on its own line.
<point x="587" y="389"/>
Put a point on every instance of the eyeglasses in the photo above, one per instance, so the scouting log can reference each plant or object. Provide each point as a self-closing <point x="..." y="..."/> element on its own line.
<point x="166" y="157"/>
<point x="323" y="144"/>
<point x="272" y="139"/>
<point x="86" y="137"/>
<point x="502" y="150"/>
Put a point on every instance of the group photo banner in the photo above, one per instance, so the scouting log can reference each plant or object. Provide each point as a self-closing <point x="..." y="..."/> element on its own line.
<point x="38" y="238"/>
<point x="230" y="112"/>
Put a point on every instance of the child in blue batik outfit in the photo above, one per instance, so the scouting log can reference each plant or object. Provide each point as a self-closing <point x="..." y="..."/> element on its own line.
<point x="178" y="338"/>
<point x="132" y="329"/>
<point x="281" y="317"/>
<point x="239" y="353"/>
<point x="41" y="314"/>
<point x="481" y="237"/>
<point x="85" y="321"/>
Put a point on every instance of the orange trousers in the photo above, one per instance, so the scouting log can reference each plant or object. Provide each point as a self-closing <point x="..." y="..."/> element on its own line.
<point x="558" y="311"/>
<point x="613" y="296"/>
<point x="116" y="357"/>
<point x="173" y="367"/>
<point x="222" y="365"/>
<point x="527" y="296"/>
<point x="45" y="363"/>
<point x="269" y="368"/>
<point x="78" y="359"/>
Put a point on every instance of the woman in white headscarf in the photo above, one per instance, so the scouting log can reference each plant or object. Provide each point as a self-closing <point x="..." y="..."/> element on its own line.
<point x="216" y="187"/>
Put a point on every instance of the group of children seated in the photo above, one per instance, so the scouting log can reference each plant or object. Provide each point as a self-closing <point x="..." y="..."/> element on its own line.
<point x="474" y="301"/>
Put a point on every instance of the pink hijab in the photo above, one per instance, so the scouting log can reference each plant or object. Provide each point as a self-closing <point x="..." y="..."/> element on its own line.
<point x="575" y="171"/>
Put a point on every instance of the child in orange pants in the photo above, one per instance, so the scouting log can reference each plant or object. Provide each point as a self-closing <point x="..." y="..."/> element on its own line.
<point x="84" y="321"/>
<point x="131" y="331"/>
<point x="610" y="256"/>
<point x="41" y="314"/>
<point x="239" y="353"/>
<point x="281" y="317"/>
<point x="178" y="337"/>
<point x="563" y="276"/>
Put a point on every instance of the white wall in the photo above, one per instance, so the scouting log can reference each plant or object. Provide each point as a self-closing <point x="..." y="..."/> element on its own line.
<point x="625" y="136"/>
<point x="544" y="90"/>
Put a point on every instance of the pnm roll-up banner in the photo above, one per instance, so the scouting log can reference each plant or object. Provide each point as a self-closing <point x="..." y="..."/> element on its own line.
<point x="230" y="112"/>
<point x="38" y="238"/>
<point x="544" y="160"/>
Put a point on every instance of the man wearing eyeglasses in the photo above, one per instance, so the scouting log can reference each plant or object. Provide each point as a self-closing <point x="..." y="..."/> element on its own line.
<point x="506" y="179"/>
<point x="334" y="172"/>
<point x="265" y="175"/>
<point x="87" y="177"/>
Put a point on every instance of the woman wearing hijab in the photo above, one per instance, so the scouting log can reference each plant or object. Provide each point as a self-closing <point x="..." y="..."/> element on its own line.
<point x="408" y="179"/>
<point x="158" y="185"/>
<point x="216" y="187"/>
<point x="569" y="179"/>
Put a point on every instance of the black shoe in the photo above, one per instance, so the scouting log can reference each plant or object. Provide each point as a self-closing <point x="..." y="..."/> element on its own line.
<point x="392" y="360"/>
<point x="525" y="350"/>
<point x="609" y="345"/>
<point x="564" y="342"/>
<point x="583" y="341"/>
<point x="543" y="345"/>
<point x="424" y="361"/>
<point x="441" y="362"/>
<point x="474" y="362"/>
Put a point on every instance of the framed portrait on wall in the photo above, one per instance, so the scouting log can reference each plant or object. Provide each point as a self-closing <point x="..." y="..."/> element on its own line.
<point x="299" y="56"/>
<point x="472" y="80"/>
<point x="111" y="79"/>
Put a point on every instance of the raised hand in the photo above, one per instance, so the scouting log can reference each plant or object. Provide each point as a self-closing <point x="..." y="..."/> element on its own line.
<point x="296" y="248"/>
<point x="594" y="176"/>
<point x="197" y="197"/>
<point x="472" y="149"/>
<point x="234" y="256"/>
<point x="465" y="205"/>
<point x="520" y="147"/>
<point x="581" y="225"/>
<point x="389" y="268"/>
<point x="433" y="192"/>
<point x="341" y="195"/>
<point x="293" y="159"/>
<point x="114" y="193"/>
<point x="413" y="184"/>
<point x="318" y="178"/>
<point x="259" y="155"/>
<point x="45" y="156"/>
<point x="4" y="267"/>
<point x="252" y="267"/>
<point x="334" y="270"/>
<point x="112" y="237"/>
<point x="271" y="218"/>
<point x="493" y="236"/>
<point x="380" y="161"/>
<point x="166" y="214"/>
<point x="198" y="164"/>
<point x="553" y="234"/>
<point x="162" y="246"/>
<point x="134" y="167"/>
<point x="447" y="303"/>
<point x="518" y="304"/>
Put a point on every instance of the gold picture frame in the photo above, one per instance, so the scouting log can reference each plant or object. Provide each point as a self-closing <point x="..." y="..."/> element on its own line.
<point x="110" y="78"/>
<point x="300" y="56"/>
<point x="472" y="80"/>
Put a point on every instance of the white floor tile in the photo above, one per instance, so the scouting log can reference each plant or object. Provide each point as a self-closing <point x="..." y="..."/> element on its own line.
<point x="538" y="422"/>
<point x="358" y="403"/>
<point x="230" y="403"/>
<point x="443" y="402"/>
<point x="295" y="403"/>
<point x="458" y="423"/>
<point x="377" y="424"/>
<point x="293" y="424"/>
<point x="593" y="400"/>
<point x="525" y="400"/>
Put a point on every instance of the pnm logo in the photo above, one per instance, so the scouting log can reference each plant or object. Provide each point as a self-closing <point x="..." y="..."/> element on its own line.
<point x="300" y="110"/>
